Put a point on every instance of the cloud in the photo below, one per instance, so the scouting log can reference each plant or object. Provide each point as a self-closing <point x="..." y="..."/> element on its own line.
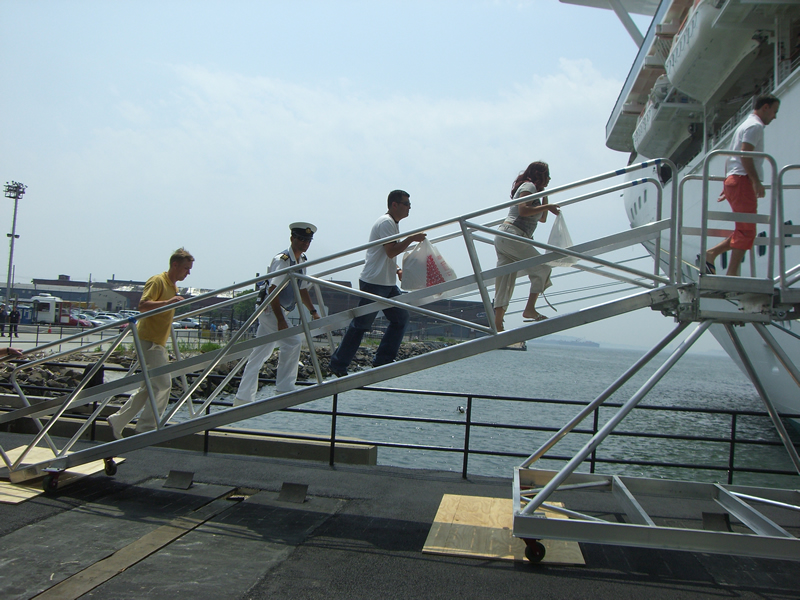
<point x="221" y="162"/>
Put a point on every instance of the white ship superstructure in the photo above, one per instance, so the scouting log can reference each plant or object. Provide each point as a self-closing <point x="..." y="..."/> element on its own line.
<point x="698" y="68"/>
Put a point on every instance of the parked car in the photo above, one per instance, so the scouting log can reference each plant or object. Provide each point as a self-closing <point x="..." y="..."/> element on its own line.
<point x="103" y="320"/>
<point x="79" y="321"/>
<point x="113" y="315"/>
<point x="186" y="323"/>
<point x="85" y="317"/>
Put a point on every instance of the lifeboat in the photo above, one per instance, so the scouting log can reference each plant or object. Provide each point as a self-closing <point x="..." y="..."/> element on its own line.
<point x="707" y="50"/>
<point x="665" y="122"/>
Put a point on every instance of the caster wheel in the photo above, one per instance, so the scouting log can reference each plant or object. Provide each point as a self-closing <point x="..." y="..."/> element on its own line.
<point x="50" y="484"/>
<point x="110" y="466"/>
<point x="534" y="551"/>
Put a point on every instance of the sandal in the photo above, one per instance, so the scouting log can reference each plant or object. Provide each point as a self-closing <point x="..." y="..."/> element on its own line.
<point x="710" y="269"/>
<point x="535" y="319"/>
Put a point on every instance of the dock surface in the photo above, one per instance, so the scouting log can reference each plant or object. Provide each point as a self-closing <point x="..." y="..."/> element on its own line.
<point x="359" y="534"/>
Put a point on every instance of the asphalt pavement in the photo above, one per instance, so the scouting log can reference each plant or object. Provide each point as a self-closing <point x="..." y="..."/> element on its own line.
<point x="358" y="534"/>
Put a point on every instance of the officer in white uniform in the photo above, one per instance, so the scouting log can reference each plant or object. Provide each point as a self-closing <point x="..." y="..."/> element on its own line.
<point x="274" y="319"/>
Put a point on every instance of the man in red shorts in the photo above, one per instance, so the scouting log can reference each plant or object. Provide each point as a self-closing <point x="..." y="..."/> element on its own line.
<point x="743" y="185"/>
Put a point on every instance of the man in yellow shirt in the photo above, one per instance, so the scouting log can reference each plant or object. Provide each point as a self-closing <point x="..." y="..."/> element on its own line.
<point x="160" y="290"/>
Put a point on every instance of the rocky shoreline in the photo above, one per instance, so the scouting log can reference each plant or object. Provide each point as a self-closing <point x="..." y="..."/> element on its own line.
<point x="53" y="379"/>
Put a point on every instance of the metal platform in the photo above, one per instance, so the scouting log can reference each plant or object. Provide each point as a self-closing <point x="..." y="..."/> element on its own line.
<point x="732" y="525"/>
<point x="638" y="513"/>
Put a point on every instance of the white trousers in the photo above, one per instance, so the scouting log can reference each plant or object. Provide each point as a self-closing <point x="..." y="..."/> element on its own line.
<point x="287" y="361"/>
<point x="155" y="355"/>
<point x="511" y="251"/>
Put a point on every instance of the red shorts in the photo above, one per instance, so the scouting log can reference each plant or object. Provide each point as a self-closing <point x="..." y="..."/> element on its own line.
<point x="741" y="195"/>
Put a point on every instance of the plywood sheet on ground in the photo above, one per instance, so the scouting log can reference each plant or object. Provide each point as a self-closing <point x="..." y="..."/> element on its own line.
<point x="481" y="527"/>
<point x="14" y="493"/>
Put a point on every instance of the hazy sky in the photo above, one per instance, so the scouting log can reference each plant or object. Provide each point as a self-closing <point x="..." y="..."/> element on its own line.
<point x="143" y="126"/>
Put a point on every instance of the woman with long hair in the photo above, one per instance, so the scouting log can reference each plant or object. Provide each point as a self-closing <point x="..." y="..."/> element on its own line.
<point x="521" y="221"/>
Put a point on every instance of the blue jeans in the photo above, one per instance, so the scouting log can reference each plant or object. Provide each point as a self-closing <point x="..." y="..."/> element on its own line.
<point x="390" y="344"/>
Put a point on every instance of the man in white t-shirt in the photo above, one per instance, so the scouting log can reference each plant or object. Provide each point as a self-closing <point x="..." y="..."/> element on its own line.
<point x="743" y="183"/>
<point x="379" y="277"/>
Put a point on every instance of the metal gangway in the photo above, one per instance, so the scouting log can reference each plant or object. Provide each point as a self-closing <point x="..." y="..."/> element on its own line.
<point x="667" y="283"/>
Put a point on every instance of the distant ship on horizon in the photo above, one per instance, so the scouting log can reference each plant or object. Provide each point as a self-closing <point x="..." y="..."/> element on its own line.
<point x="564" y="341"/>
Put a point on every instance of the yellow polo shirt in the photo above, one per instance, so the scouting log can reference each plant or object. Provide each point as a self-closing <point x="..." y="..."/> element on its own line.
<point x="157" y="328"/>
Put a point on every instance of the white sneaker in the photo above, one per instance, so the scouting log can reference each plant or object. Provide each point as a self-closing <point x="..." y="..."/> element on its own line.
<point x="240" y="401"/>
<point x="116" y="430"/>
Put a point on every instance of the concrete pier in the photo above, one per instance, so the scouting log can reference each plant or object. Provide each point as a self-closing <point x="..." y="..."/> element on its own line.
<point x="359" y="533"/>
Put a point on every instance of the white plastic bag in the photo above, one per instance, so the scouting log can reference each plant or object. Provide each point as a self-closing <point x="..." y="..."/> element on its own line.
<point x="424" y="266"/>
<point x="559" y="236"/>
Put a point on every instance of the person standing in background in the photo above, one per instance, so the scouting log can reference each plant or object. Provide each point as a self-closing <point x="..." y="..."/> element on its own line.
<point x="13" y="322"/>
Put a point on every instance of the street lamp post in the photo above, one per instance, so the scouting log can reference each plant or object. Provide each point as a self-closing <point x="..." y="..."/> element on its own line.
<point x="13" y="190"/>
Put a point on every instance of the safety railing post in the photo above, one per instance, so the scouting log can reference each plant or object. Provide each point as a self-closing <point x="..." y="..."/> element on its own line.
<point x="178" y="356"/>
<point x="151" y="398"/>
<point x="595" y="428"/>
<point x="334" y="409"/>
<point x="732" y="450"/>
<point x="206" y="433"/>
<point x="467" y="427"/>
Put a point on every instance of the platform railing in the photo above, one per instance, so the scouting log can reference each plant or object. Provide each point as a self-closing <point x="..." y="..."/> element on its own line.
<point x="770" y="218"/>
<point x="787" y="234"/>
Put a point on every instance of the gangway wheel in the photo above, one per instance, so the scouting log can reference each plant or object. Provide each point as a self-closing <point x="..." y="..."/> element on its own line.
<point x="50" y="482"/>
<point x="534" y="550"/>
<point x="110" y="466"/>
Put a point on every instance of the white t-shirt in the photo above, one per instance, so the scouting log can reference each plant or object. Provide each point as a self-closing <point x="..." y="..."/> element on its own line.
<point x="525" y="224"/>
<point x="379" y="269"/>
<point x="751" y="131"/>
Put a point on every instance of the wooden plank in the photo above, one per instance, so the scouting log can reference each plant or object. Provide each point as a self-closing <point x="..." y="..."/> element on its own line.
<point x="482" y="528"/>
<point x="14" y="493"/>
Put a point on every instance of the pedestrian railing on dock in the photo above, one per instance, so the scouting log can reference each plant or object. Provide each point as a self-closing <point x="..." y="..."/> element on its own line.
<point x="723" y="450"/>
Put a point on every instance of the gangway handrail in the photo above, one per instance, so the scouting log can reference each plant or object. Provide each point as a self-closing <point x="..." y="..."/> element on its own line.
<point x="545" y="258"/>
<point x="291" y="276"/>
<point x="314" y="262"/>
<point x="722" y="216"/>
<point x="784" y="284"/>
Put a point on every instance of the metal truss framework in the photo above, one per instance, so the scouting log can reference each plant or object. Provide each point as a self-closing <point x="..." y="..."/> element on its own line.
<point x="730" y="302"/>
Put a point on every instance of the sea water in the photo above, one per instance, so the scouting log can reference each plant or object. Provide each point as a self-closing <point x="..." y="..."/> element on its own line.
<point x="557" y="372"/>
